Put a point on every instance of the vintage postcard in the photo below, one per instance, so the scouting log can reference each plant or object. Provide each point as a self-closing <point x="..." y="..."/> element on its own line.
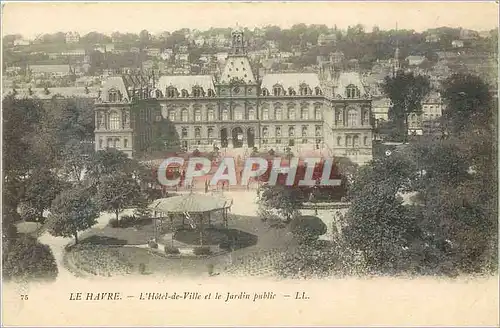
<point x="257" y="164"/>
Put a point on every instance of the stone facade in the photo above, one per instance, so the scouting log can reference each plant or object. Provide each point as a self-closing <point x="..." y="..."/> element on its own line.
<point x="325" y="116"/>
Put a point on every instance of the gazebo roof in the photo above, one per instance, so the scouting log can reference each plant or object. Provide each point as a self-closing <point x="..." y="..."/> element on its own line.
<point x="191" y="203"/>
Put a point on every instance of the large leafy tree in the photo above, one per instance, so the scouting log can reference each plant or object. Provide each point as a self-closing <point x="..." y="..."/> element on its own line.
<point x="72" y="211"/>
<point x="285" y="200"/>
<point x="20" y="120"/>
<point x="378" y="224"/>
<point x="165" y="136"/>
<point x="108" y="162"/>
<point x="406" y="92"/>
<point x="468" y="103"/>
<point x="117" y="192"/>
<point x="41" y="189"/>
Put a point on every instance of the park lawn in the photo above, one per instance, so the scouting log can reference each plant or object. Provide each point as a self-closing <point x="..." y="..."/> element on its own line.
<point x="109" y="261"/>
<point x="112" y="249"/>
<point x="139" y="234"/>
<point x="28" y="227"/>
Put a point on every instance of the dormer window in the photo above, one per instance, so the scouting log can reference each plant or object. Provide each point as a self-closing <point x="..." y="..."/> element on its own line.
<point x="317" y="91"/>
<point x="184" y="93"/>
<point x="197" y="92"/>
<point x="158" y="94"/>
<point x="304" y="90"/>
<point x="114" y="95"/>
<point x="291" y="92"/>
<point x="352" y="91"/>
<point x="277" y="90"/>
<point x="211" y="93"/>
<point x="265" y="92"/>
<point x="171" y="93"/>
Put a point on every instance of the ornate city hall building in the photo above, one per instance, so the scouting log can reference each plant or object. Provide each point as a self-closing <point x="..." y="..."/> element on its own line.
<point x="327" y="113"/>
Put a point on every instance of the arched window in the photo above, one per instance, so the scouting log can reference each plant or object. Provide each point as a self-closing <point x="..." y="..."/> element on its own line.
<point x="352" y="91"/>
<point x="114" y="96"/>
<point x="318" y="130"/>
<point x="197" y="92"/>
<point x="365" y="141"/>
<point x="197" y="133"/>
<point x="184" y="93"/>
<point x="291" y="131"/>
<point x="265" y="92"/>
<point x="114" y="121"/>
<point x="317" y="91"/>
<point x="171" y="93"/>
<point x="366" y="117"/>
<point x="125" y="119"/>
<point x="338" y="116"/>
<point x="352" y="117"/>
<point x="109" y="142"/>
<point x="116" y="143"/>
<point x="278" y="131"/>
<point x="355" y="141"/>
<point x="171" y="115"/>
<point x="197" y="115"/>
<point x="304" y="113"/>
<point x="339" y="141"/>
<point x="348" y="141"/>
<point x="317" y="113"/>
<point x="291" y="113"/>
<point x="225" y="114"/>
<point x="210" y="133"/>
<point x="278" y="115"/>
<point x="277" y="91"/>
<point x="304" y="90"/>
<point x="125" y="143"/>
<point x="184" y="115"/>
<point x="304" y="131"/>
<point x="184" y="132"/>
<point x="265" y="132"/>
<point x="265" y="114"/>
<point x="251" y="114"/>
<point x="238" y="114"/>
<point x="210" y="115"/>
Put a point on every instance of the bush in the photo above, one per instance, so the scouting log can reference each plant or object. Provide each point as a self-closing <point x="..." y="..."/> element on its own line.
<point x="127" y="221"/>
<point x="27" y="259"/>
<point x="113" y="223"/>
<point x="202" y="250"/>
<point x="307" y="228"/>
<point x="153" y="244"/>
<point x="226" y="245"/>
<point x="170" y="250"/>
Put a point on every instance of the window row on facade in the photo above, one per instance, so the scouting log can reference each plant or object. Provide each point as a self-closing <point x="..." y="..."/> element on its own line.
<point x="114" y="142"/>
<point x="353" y="140"/>
<point x="352" y="117"/>
<point x="239" y="114"/>
<point x="186" y="144"/>
<point x="279" y="91"/>
<point x="279" y="131"/>
<point x="114" y="120"/>
<point x="116" y="96"/>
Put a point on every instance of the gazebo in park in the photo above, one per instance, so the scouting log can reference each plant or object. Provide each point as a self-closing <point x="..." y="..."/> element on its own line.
<point x="197" y="210"/>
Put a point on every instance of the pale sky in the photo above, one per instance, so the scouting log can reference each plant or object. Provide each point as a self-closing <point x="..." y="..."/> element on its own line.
<point x="31" y="19"/>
